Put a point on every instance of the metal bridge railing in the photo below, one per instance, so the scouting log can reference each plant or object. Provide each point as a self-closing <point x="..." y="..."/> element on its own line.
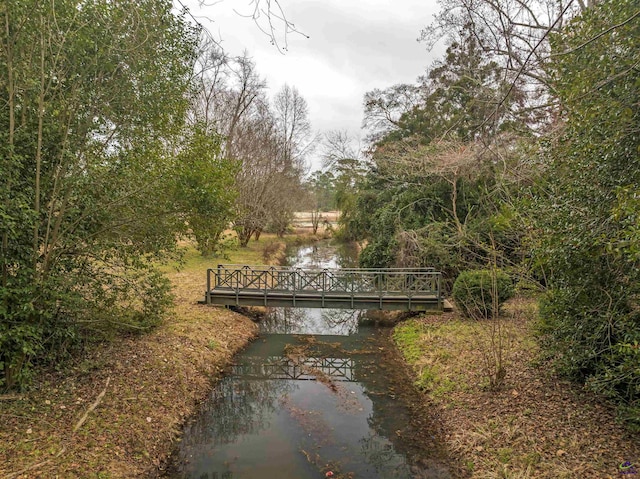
<point x="381" y="282"/>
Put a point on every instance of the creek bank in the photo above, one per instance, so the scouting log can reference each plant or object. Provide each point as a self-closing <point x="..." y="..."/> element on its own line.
<point x="535" y="426"/>
<point x="362" y="408"/>
<point x="136" y="392"/>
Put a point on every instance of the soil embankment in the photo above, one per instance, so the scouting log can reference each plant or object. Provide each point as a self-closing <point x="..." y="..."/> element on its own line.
<point x="534" y="426"/>
<point x="133" y="393"/>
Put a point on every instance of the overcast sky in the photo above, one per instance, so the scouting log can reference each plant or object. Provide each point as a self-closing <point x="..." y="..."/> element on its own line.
<point x="353" y="47"/>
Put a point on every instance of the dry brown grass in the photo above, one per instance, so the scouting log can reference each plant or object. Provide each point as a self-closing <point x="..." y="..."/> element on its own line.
<point x="535" y="426"/>
<point x="156" y="382"/>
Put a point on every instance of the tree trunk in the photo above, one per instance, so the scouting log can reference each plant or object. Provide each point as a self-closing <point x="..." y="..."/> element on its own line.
<point x="244" y="235"/>
<point x="315" y="220"/>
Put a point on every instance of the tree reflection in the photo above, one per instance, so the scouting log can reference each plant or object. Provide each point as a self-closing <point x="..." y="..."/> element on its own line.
<point x="236" y="407"/>
<point x="342" y="319"/>
<point x="317" y="256"/>
<point x="380" y="453"/>
<point x="346" y="255"/>
<point x="283" y="321"/>
<point x="342" y="322"/>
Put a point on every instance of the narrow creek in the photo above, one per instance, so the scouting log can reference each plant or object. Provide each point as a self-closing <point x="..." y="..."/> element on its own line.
<point x="319" y="394"/>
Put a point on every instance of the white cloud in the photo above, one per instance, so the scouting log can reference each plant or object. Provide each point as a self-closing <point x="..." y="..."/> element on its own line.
<point x="354" y="47"/>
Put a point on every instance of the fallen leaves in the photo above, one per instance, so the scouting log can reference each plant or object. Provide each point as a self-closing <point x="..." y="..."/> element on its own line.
<point x="537" y="426"/>
<point x="157" y="381"/>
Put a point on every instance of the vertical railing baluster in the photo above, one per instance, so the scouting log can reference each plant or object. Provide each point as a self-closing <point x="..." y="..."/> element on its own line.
<point x="238" y="288"/>
<point x="294" y="288"/>
<point x="410" y="286"/>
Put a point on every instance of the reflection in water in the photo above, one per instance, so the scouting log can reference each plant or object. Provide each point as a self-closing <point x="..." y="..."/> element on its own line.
<point x="266" y="418"/>
<point x="340" y="322"/>
<point x="278" y="367"/>
<point x="236" y="408"/>
<point x="380" y="453"/>
<point x="295" y="407"/>
<point x="315" y="321"/>
<point x="324" y="255"/>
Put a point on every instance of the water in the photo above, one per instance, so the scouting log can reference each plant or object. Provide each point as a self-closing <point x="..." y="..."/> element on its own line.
<point x="316" y="394"/>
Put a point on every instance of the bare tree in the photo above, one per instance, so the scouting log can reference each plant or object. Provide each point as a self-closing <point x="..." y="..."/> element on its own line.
<point x="248" y="91"/>
<point x="230" y="100"/>
<point x="294" y="131"/>
<point x="515" y="34"/>
<point x="211" y="79"/>
<point x="292" y="119"/>
<point x="383" y="108"/>
<point x="268" y="15"/>
<point x="339" y="146"/>
<point x="511" y="30"/>
<point x="255" y="146"/>
<point x="270" y="141"/>
<point x="269" y="185"/>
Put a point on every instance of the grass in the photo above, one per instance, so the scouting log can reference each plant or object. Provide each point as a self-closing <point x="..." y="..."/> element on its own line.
<point x="156" y="381"/>
<point x="535" y="426"/>
<point x="269" y="249"/>
<point x="428" y="348"/>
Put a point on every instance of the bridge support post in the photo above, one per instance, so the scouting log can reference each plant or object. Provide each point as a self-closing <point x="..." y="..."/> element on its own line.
<point x="208" y="298"/>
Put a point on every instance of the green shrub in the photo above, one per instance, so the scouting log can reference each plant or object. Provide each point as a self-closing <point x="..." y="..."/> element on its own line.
<point x="593" y="336"/>
<point x="473" y="292"/>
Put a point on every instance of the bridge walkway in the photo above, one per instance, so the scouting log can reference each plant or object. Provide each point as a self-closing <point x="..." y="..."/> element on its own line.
<point x="406" y="289"/>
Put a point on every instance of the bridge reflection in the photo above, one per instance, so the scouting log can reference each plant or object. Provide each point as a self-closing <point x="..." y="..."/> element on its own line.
<point x="311" y="321"/>
<point x="280" y="367"/>
<point x="215" y="475"/>
<point x="272" y="394"/>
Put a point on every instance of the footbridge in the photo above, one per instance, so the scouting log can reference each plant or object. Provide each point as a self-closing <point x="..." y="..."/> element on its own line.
<point x="405" y="289"/>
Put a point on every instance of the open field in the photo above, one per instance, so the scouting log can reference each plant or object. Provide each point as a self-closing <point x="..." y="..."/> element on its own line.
<point x="302" y="219"/>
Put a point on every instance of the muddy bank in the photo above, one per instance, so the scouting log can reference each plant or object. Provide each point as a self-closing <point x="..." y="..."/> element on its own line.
<point x="116" y="412"/>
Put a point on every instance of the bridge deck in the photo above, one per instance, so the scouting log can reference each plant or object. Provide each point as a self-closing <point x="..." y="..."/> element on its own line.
<point x="386" y="289"/>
